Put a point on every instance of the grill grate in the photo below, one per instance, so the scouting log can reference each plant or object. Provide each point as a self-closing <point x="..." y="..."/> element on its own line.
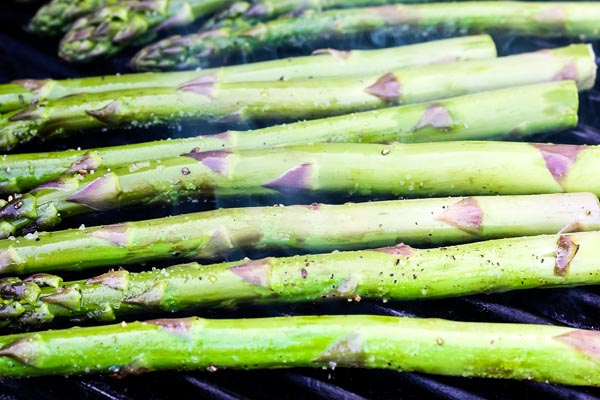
<point x="26" y="56"/>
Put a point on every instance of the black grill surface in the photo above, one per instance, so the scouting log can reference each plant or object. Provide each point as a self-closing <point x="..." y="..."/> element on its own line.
<point x="26" y="56"/>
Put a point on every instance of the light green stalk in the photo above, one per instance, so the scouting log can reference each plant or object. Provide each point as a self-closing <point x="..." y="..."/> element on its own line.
<point x="269" y="9"/>
<point x="515" y="351"/>
<point x="242" y="14"/>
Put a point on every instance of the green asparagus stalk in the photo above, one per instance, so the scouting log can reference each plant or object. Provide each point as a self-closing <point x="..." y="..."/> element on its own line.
<point x="210" y="99"/>
<point x="242" y="14"/>
<point x="391" y="273"/>
<point x="514" y="113"/>
<point x="305" y="172"/>
<point x="525" y="18"/>
<point x="269" y="9"/>
<point x="111" y="28"/>
<point x="326" y="63"/>
<point x="319" y="227"/>
<point x="491" y="350"/>
<point x="56" y="17"/>
<point x="250" y="12"/>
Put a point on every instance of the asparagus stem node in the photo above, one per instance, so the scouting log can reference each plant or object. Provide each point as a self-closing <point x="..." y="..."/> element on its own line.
<point x="208" y="98"/>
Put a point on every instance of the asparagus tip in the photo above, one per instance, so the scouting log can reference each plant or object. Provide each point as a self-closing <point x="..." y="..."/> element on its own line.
<point x="105" y="31"/>
<point x="178" y="52"/>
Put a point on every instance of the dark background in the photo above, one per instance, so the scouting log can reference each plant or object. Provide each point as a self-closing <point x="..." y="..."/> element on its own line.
<point x="26" y="56"/>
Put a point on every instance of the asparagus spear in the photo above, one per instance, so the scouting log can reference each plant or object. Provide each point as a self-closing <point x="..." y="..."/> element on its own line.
<point x="395" y="273"/>
<point x="513" y="113"/>
<point x="333" y="63"/>
<point x="525" y="18"/>
<point x="209" y="99"/>
<point x="451" y="168"/>
<point x="268" y="9"/>
<point x="111" y="28"/>
<point x="491" y="350"/>
<point x="57" y="16"/>
<point x="250" y="12"/>
<point x="210" y="235"/>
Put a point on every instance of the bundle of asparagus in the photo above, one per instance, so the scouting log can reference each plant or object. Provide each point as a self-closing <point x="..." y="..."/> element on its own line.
<point x="560" y="231"/>
<point x="105" y="27"/>
<point x="525" y="18"/>
<point x="325" y="63"/>
<point x="527" y="110"/>
<point x="213" y="98"/>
